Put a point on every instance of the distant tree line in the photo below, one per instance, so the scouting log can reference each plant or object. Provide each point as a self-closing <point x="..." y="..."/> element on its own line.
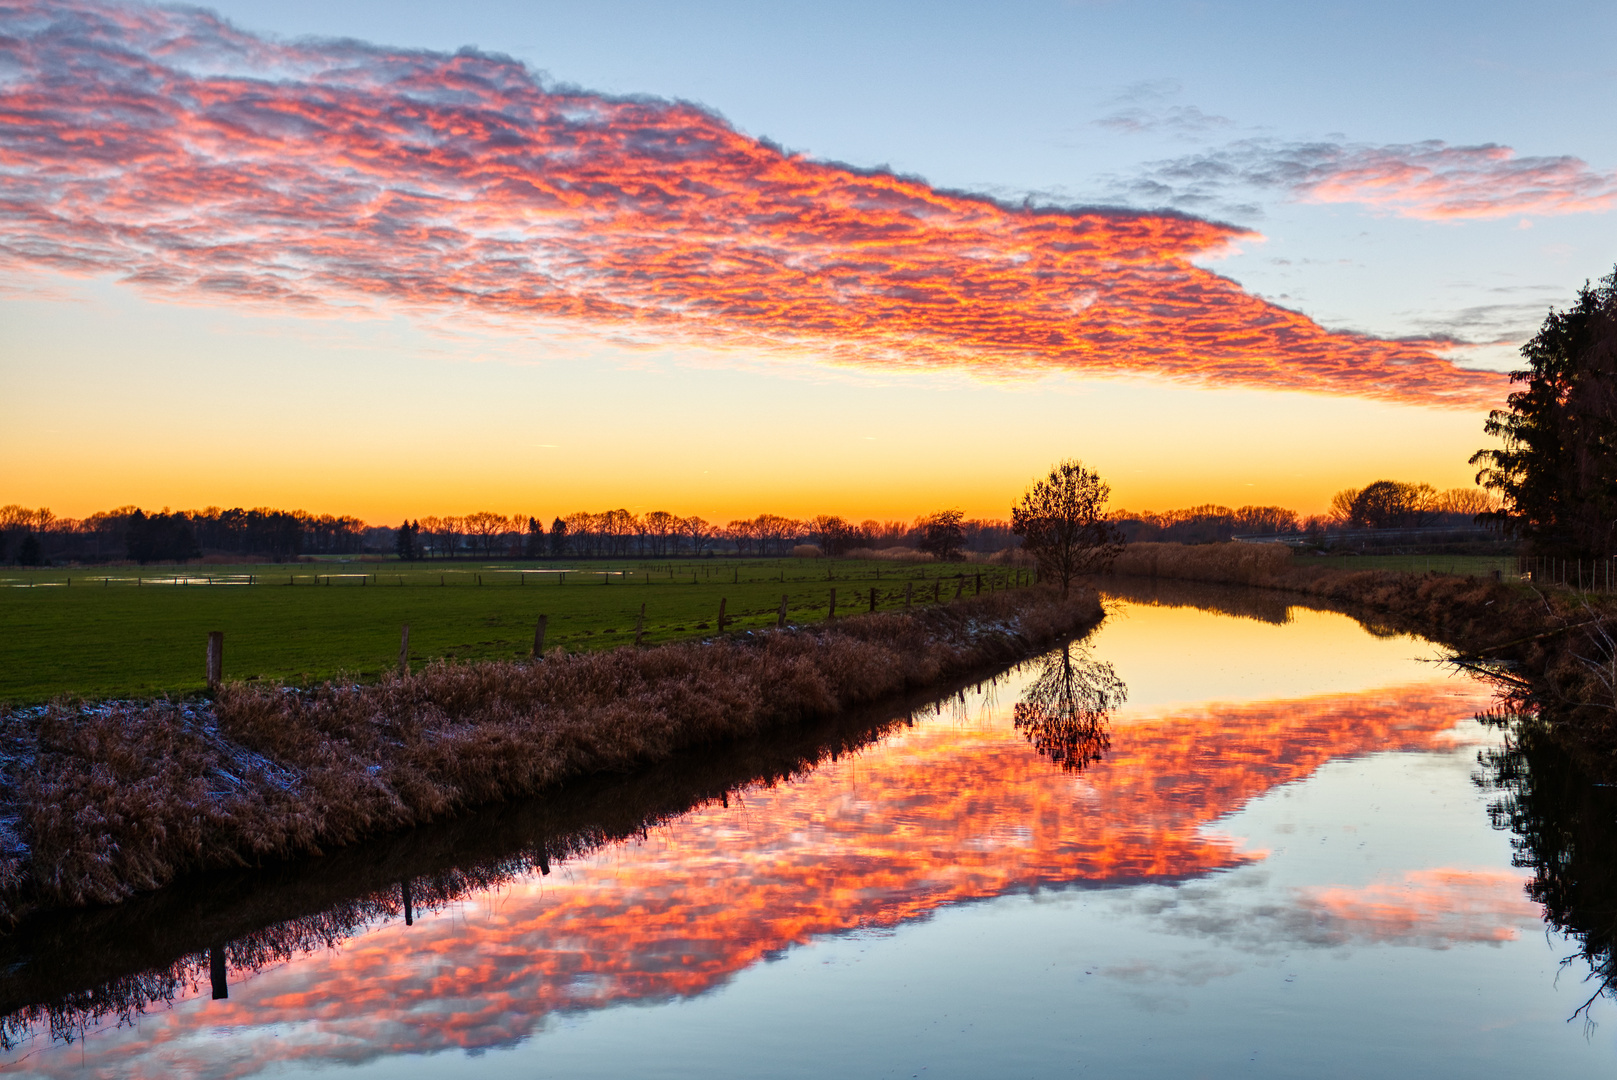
<point x="661" y="534"/>
<point x="1393" y="504"/>
<point x="1384" y="504"/>
<point x="1205" y="524"/>
<point x="33" y="537"/>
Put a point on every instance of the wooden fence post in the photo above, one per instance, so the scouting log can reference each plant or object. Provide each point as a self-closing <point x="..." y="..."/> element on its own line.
<point x="937" y="590"/>
<point x="780" y="621"/>
<point x="216" y="658"/>
<point x="959" y="585"/>
<point x="873" y="600"/>
<point x="216" y="972"/>
<point x="909" y="593"/>
<point x="833" y="605"/>
<point x="640" y="626"/>
<point x="404" y="650"/>
<point x="539" y="637"/>
<point x="721" y="614"/>
<point x="409" y="910"/>
<point x="979" y="591"/>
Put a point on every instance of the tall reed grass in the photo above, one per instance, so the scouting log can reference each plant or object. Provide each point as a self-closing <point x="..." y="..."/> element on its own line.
<point x="111" y="800"/>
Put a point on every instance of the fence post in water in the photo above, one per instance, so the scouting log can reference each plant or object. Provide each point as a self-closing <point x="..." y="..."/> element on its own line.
<point x="404" y="650"/>
<point x="780" y="621"/>
<point x="833" y="613"/>
<point x="216" y="972"/>
<point x="216" y="658"/>
<point x="409" y="911"/>
<point x="539" y="637"/>
<point x="640" y="626"/>
<point x="721" y="614"/>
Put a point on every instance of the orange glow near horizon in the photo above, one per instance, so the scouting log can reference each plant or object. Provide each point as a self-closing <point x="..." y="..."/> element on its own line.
<point x="945" y="812"/>
<point x="203" y="164"/>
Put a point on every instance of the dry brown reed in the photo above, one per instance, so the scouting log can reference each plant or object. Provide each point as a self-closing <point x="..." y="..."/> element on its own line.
<point x="126" y="797"/>
<point x="68" y="971"/>
<point x="893" y="554"/>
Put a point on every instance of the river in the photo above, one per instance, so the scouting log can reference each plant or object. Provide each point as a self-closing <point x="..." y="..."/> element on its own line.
<point x="1218" y="837"/>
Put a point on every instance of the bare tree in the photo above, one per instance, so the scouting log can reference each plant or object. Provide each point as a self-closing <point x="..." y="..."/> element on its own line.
<point x="1389" y="504"/>
<point x="582" y="532"/>
<point x="698" y="532"/>
<point x="1342" y="505"/>
<point x="1064" y="712"/>
<point x="1063" y="524"/>
<point x="660" y="525"/>
<point x="942" y="534"/>
<point x="773" y="532"/>
<point x="741" y="532"/>
<point x="484" y="528"/>
<point x="1467" y="501"/>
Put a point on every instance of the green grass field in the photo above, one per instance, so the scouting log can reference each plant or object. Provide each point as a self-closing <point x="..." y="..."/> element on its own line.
<point x="1480" y="565"/>
<point x="122" y="631"/>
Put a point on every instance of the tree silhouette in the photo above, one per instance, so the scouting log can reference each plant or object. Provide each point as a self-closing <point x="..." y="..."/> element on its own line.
<point x="942" y="534"/>
<point x="1557" y="469"/>
<point x="1390" y="504"/>
<point x="1064" y="712"/>
<point x="1063" y="524"/>
<point x="404" y="541"/>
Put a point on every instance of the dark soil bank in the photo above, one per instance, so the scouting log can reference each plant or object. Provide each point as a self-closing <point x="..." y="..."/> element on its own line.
<point x="100" y="802"/>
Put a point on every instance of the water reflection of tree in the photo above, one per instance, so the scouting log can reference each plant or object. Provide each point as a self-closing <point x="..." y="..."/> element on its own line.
<point x="1565" y="831"/>
<point x="1065" y="712"/>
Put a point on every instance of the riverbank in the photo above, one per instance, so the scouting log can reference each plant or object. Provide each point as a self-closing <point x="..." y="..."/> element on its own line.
<point x="1547" y="647"/>
<point x="100" y="802"/>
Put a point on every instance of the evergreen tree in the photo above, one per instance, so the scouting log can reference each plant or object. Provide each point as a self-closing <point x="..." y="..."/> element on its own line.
<point x="1557" y="469"/>
<point x="558" y="537"/>
<point x="534" y="548"/>
<point x="28" y="552"/>
<point x="404" y="540"/>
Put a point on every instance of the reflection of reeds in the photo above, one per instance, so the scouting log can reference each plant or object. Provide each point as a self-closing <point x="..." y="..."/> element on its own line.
<point x="1242" y="603"/>
<point x="125" y="798"/>
<point x="1543" y="647"/>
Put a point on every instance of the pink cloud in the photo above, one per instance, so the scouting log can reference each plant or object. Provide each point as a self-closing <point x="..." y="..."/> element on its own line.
<point x="1435" y="180"/>
<point x="197" y="161"/>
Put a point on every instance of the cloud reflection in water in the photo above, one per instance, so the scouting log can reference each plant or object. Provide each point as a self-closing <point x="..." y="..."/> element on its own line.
<point x="945" y="812"/>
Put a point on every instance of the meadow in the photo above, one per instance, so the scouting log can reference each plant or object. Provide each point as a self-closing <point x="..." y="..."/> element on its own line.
<point x="1479" y="565"/>
<point x="126" y="631"/>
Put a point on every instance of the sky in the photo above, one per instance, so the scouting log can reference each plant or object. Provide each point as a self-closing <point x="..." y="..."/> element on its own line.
<point x="874" y="260"/>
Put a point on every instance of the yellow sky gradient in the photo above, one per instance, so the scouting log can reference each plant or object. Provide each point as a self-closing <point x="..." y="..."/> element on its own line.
<point x="114" y="398"/>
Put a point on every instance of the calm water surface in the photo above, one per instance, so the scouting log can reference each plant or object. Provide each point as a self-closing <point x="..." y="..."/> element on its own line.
<point x="1277" y="858"/>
